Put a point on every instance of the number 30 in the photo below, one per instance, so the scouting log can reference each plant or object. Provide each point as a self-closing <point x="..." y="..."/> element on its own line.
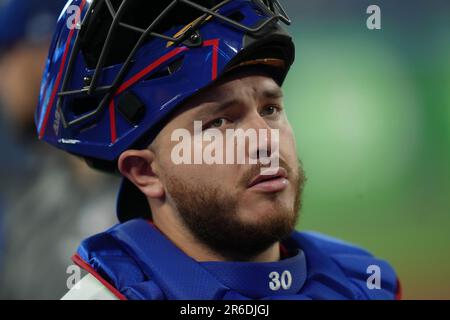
<point x="276" y="283"/>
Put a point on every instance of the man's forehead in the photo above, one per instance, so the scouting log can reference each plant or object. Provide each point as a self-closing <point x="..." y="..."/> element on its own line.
<point x="257" y="78"/>
<point x="233" y="87"/>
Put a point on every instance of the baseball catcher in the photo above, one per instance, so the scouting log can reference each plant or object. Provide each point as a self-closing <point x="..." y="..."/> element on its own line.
<point x="183" y="98"/>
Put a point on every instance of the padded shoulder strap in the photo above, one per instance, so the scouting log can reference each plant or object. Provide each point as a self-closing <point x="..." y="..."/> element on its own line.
<point x="374" y="278"/>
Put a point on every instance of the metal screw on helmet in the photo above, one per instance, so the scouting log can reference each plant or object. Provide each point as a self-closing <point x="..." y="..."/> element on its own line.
<point x="87" y="81"/>
<point x="194" y="37"/>
<point x="194" y="40"/>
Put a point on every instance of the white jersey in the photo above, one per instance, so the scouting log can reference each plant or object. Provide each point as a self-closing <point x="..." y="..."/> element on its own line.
<point x="89" y="288"/>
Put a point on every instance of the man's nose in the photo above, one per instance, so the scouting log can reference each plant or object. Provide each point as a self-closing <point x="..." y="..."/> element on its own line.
<point x="266" y="142"/>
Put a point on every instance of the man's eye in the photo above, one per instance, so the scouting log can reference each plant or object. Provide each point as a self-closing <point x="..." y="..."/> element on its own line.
<point x="269" y="110"/>
<point x="217" y="123"/>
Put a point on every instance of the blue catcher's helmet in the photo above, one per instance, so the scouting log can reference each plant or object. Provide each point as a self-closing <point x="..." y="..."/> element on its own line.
<point x="117" y="69"/>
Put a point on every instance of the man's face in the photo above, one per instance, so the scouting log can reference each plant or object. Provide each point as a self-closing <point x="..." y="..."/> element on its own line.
<point x="220" y="203"/>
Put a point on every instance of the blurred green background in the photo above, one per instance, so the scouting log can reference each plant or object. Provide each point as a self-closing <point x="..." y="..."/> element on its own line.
<point x="371" y="113"/>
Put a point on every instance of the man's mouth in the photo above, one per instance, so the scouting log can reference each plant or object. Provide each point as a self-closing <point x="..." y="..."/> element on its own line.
<point x="270" y="183"/>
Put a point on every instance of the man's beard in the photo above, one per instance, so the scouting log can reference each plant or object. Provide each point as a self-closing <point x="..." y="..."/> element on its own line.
<point x="211" y="216"/>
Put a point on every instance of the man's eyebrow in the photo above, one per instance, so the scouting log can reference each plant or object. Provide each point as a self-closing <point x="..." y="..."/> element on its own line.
<point x="208" y="110"/>
<point x="272" y="93"/>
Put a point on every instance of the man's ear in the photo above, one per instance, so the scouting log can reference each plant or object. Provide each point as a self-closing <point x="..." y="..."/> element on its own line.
<point x="136" y="166"/>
